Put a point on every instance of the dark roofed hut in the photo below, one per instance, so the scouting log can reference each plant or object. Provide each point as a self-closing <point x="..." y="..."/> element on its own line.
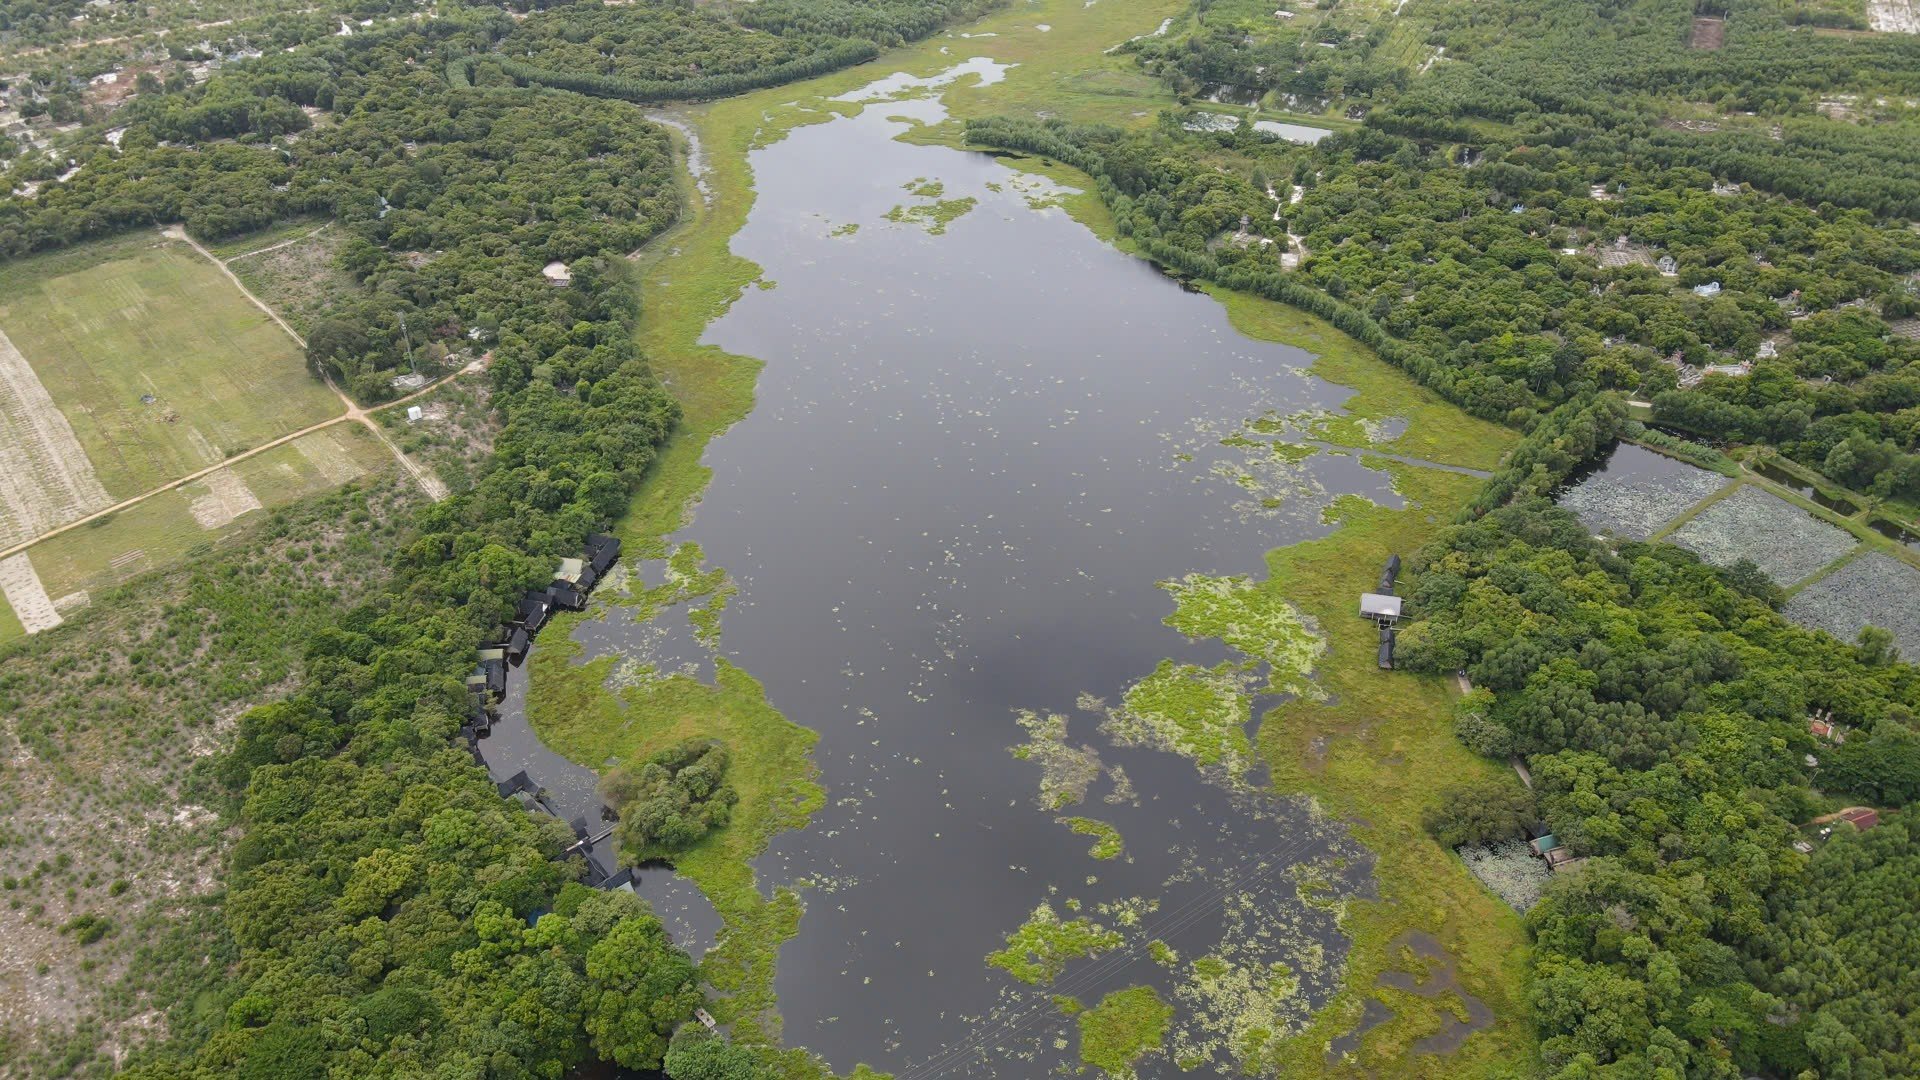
<point x="1390" y="574"/>
<point x="533" y="611"/>
<point x="515" y="784"/>
<point x="517" y="643"/>
<point x="1386" y="648"/>
<point x="493" y="677"/>
<point x="602" y="550"/>
<point x="589" y="577"/>
<point x="565" y="596"/>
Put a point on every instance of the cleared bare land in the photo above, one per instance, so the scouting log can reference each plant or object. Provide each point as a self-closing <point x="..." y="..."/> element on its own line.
<point x="1708" y="33"/>
<point x="158" y="364"/>
<point x="45" y="477"/>
<point x="26" y="595"/>
<point x="1893" y="16"/>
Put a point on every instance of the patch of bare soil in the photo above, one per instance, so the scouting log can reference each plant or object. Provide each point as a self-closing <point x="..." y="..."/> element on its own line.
<point x="227" y="498"/>
<point x="1893" y="16"/>
<point x="45" y="477"/>
<point x="1708" y="33"/>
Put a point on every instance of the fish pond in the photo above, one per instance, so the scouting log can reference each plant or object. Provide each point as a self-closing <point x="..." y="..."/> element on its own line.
<point x="984" y="533"/>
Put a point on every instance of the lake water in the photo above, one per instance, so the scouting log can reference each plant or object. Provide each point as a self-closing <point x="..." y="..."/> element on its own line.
<point x="981" y="441"/>
<point x="1299" y="133"/>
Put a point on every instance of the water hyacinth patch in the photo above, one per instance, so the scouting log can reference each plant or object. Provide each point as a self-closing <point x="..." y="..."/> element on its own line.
<point x="1126" y="1026"/>
<point x="1510" y="871"/>
<point x="1066" y="771"/>
<point x="1196" y="712"/>
<point x="1255" y="621"/>
<point x="1786" y="542"/>
<point x="1873" y="590"/>
<point x="1040" y="949"/>
<point x="1634" y="505"/>
<point x="1107" y="843"/>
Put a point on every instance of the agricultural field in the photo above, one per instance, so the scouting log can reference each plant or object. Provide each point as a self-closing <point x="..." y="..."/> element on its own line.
<point x="1873" y="590"/>
<point x="1637" y="492"/>
<point x="157" y="365"/>
<point x="1786" y="542"/>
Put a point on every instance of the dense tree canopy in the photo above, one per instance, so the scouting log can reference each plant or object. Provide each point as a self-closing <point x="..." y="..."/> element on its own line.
<point x="1662" y="712"/>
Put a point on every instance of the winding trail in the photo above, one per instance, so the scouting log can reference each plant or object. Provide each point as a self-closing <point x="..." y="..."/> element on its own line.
<point x="428" y="483"/>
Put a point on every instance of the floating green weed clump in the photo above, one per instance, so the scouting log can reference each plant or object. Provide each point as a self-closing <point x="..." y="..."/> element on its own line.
<point x="686" y="581"/>
<point x="1126" y="1026"/>
<point x="1040" y="949"/>
<point x="1107" y="843"/>
<point x="1065" y="771"/>
<point x="935" y="216"/>
<point x="1256" y="621"/>
<point x="1200" y="713"/>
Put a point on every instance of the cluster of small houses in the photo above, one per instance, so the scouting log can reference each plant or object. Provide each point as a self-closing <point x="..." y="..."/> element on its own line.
<point x="571" y="584"/>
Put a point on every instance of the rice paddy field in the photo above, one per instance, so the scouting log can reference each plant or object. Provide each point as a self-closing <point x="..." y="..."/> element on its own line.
<point x="1637" y="492"/>
<point x="159" y="365"/>
<point x="192" y="518"/>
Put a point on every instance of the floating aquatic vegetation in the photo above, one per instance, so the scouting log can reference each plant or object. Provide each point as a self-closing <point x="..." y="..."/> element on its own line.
<point x="1040" y="949"/>
<point x="1867" y="591"/>
<point x="848" y="229"/>
<point x="1634" y="505"/>
<point x="1511" y="871"/>
<point x="1255" y="621"/>
<point x="1126" y="1026"/>
<point x="925" y="188"/>
<point x="1066" y="772"/>
<point x="934" y="216"/>
<point x="1107" y="842"/>
<point x="685" y="581"/>
<point x="1786" y="542"/>
<point x="1197" y="712"/>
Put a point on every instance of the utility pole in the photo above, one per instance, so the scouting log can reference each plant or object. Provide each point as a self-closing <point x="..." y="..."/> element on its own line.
<point x="404" y="336"/>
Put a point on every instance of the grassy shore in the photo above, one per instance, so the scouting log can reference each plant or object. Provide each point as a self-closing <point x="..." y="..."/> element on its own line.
<point x="1376" y="752"/>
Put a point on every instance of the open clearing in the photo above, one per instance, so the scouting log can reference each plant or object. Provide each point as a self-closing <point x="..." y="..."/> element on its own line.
<point x="45" y="477"/>
<point x="175" y="524"/>
<point x="1708" y="33"/>
<point x="26" y="595"/>
<point x="1893" y="16"/>
<point x="158" y="364"/>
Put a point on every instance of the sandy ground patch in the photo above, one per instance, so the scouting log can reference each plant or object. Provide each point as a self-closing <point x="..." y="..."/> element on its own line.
<point x="1893" y="16"/>
<point x="26" y="596"/>
<point x="227" y="498"/>
<point x="326" y="455"/>
<point x="1708" y="33"/>
<point x="45" y="477"/>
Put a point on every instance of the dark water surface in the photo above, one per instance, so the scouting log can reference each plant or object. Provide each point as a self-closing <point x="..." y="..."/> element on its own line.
<point x="974" y="456"/>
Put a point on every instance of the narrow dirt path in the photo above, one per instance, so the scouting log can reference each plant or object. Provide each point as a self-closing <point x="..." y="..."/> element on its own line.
<point x="284" y="243"/>
<point x="170" y="485"/>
